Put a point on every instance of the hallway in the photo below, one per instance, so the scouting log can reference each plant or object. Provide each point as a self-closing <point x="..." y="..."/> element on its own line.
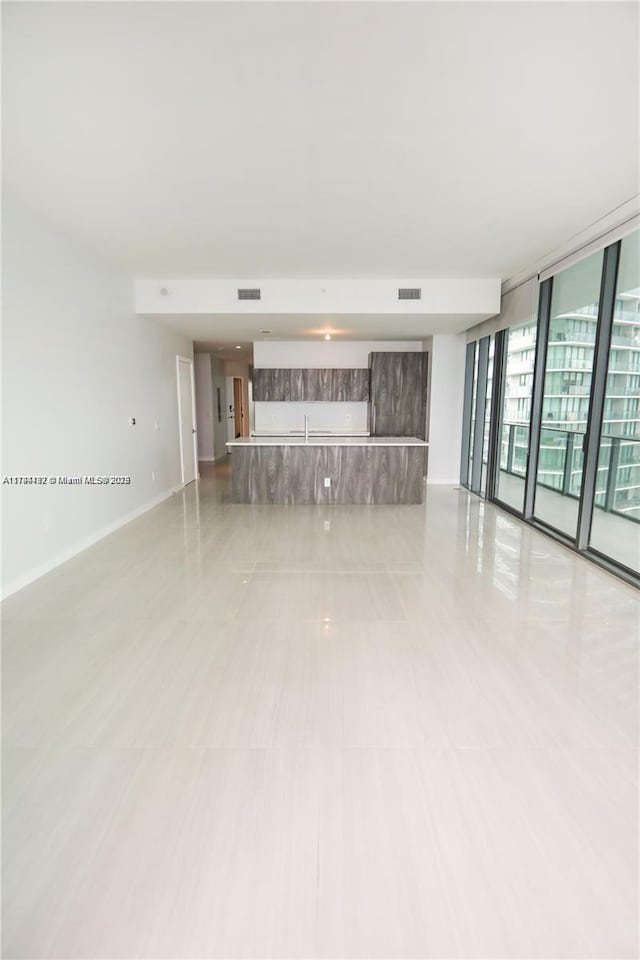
<point x="376" y="731"/>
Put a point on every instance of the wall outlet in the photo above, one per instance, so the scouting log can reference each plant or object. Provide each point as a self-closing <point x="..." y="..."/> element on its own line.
<point x="132" y="421"/>
<point x="348" y="418"/>
<point x="327" y="525"/>
<point x="327" y="481"/>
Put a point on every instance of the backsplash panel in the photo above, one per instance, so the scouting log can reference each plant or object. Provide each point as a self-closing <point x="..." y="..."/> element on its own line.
<point x="282" y="417"/>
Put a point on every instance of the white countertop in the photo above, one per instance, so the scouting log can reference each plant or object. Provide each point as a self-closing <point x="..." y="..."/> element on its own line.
<point x="329" y="441"/>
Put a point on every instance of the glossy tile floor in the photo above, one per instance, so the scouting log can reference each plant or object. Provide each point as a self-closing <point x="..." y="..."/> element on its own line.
<point x="235" y="731"/>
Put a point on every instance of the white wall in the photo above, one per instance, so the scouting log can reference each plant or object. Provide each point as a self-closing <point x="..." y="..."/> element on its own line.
<point x="445" y="407"/>
<point x="209" y="377"/>
<point x="219" y="426"/>
<point x="77" y="363"/>
<point x="204" y="405"/>
<point x="324" y="353"/>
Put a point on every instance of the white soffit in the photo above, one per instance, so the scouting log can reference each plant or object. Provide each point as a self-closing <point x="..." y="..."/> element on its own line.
<point x="518" y="306"/>
<point x="330" y="296"/>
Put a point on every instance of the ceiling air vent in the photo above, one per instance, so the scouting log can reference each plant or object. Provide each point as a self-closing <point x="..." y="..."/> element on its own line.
<point x="249" y="293"/>
<point x="409" y="293"/>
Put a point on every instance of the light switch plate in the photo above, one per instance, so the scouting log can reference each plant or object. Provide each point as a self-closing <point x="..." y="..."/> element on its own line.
<point x="327" y="481"/>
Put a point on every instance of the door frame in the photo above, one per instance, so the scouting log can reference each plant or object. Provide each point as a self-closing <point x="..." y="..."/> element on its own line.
<point x="180" y="359"/>
<point x="229" y="413"/>
<point x="238" y="414"/>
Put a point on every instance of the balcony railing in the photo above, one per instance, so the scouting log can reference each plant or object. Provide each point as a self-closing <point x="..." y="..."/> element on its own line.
<point x="560" y="465"/>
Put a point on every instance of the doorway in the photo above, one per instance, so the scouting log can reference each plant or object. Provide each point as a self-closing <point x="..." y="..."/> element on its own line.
<point x="235" y="408"/>
<point x="187" y="420"/>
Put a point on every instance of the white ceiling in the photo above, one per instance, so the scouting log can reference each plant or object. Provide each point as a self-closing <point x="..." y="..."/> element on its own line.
<point x="321" y="139"/>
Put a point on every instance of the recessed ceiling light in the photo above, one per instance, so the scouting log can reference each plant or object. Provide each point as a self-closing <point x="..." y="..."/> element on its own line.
<point x="238" y="347"/>
<point x="327" y="336"/>
<point x="266" y="331"/>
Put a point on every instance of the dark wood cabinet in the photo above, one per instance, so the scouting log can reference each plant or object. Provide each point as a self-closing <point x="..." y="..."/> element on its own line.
<point x="296" y="378"/>
<point x="282" y="473"/>
<point x="398" y="394"/>
<point x="311" y="384"/>
<point x="271" y="384"/>
<point x="350" y="384"/>
<point x="262" y="384"/>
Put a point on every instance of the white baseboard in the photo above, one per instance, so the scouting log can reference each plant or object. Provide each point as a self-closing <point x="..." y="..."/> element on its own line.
<point x="36" y="572"/>
<point x="443" y="483"/>
<point x="206" y="459"/>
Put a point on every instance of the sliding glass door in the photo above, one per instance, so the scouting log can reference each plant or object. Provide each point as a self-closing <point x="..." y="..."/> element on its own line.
<point x="477" y="414"/>
<point x="515" y="415"/>
<point x="474" y="405"/>
<point x="486" y="416"/>
<point x="568" y="368"/>
<point x="615" y="525"/>
<point x="465" y="452"/>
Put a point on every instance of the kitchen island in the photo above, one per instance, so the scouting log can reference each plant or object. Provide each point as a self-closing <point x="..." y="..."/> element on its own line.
<point x="328" y="469"/>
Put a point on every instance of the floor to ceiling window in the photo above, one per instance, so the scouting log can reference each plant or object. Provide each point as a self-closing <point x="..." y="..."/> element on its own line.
<point x="615" y="526"/>
<point x="474" y="404"/>
<point x="516" y="414"/>
<point x="565" y="449"/>
<point x="567" y="385"/>
<point x="486" y="415"/>
<point x="465" y="450"/>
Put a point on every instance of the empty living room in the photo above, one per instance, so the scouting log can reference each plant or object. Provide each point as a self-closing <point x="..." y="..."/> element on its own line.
<point x="320" y="479"/>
